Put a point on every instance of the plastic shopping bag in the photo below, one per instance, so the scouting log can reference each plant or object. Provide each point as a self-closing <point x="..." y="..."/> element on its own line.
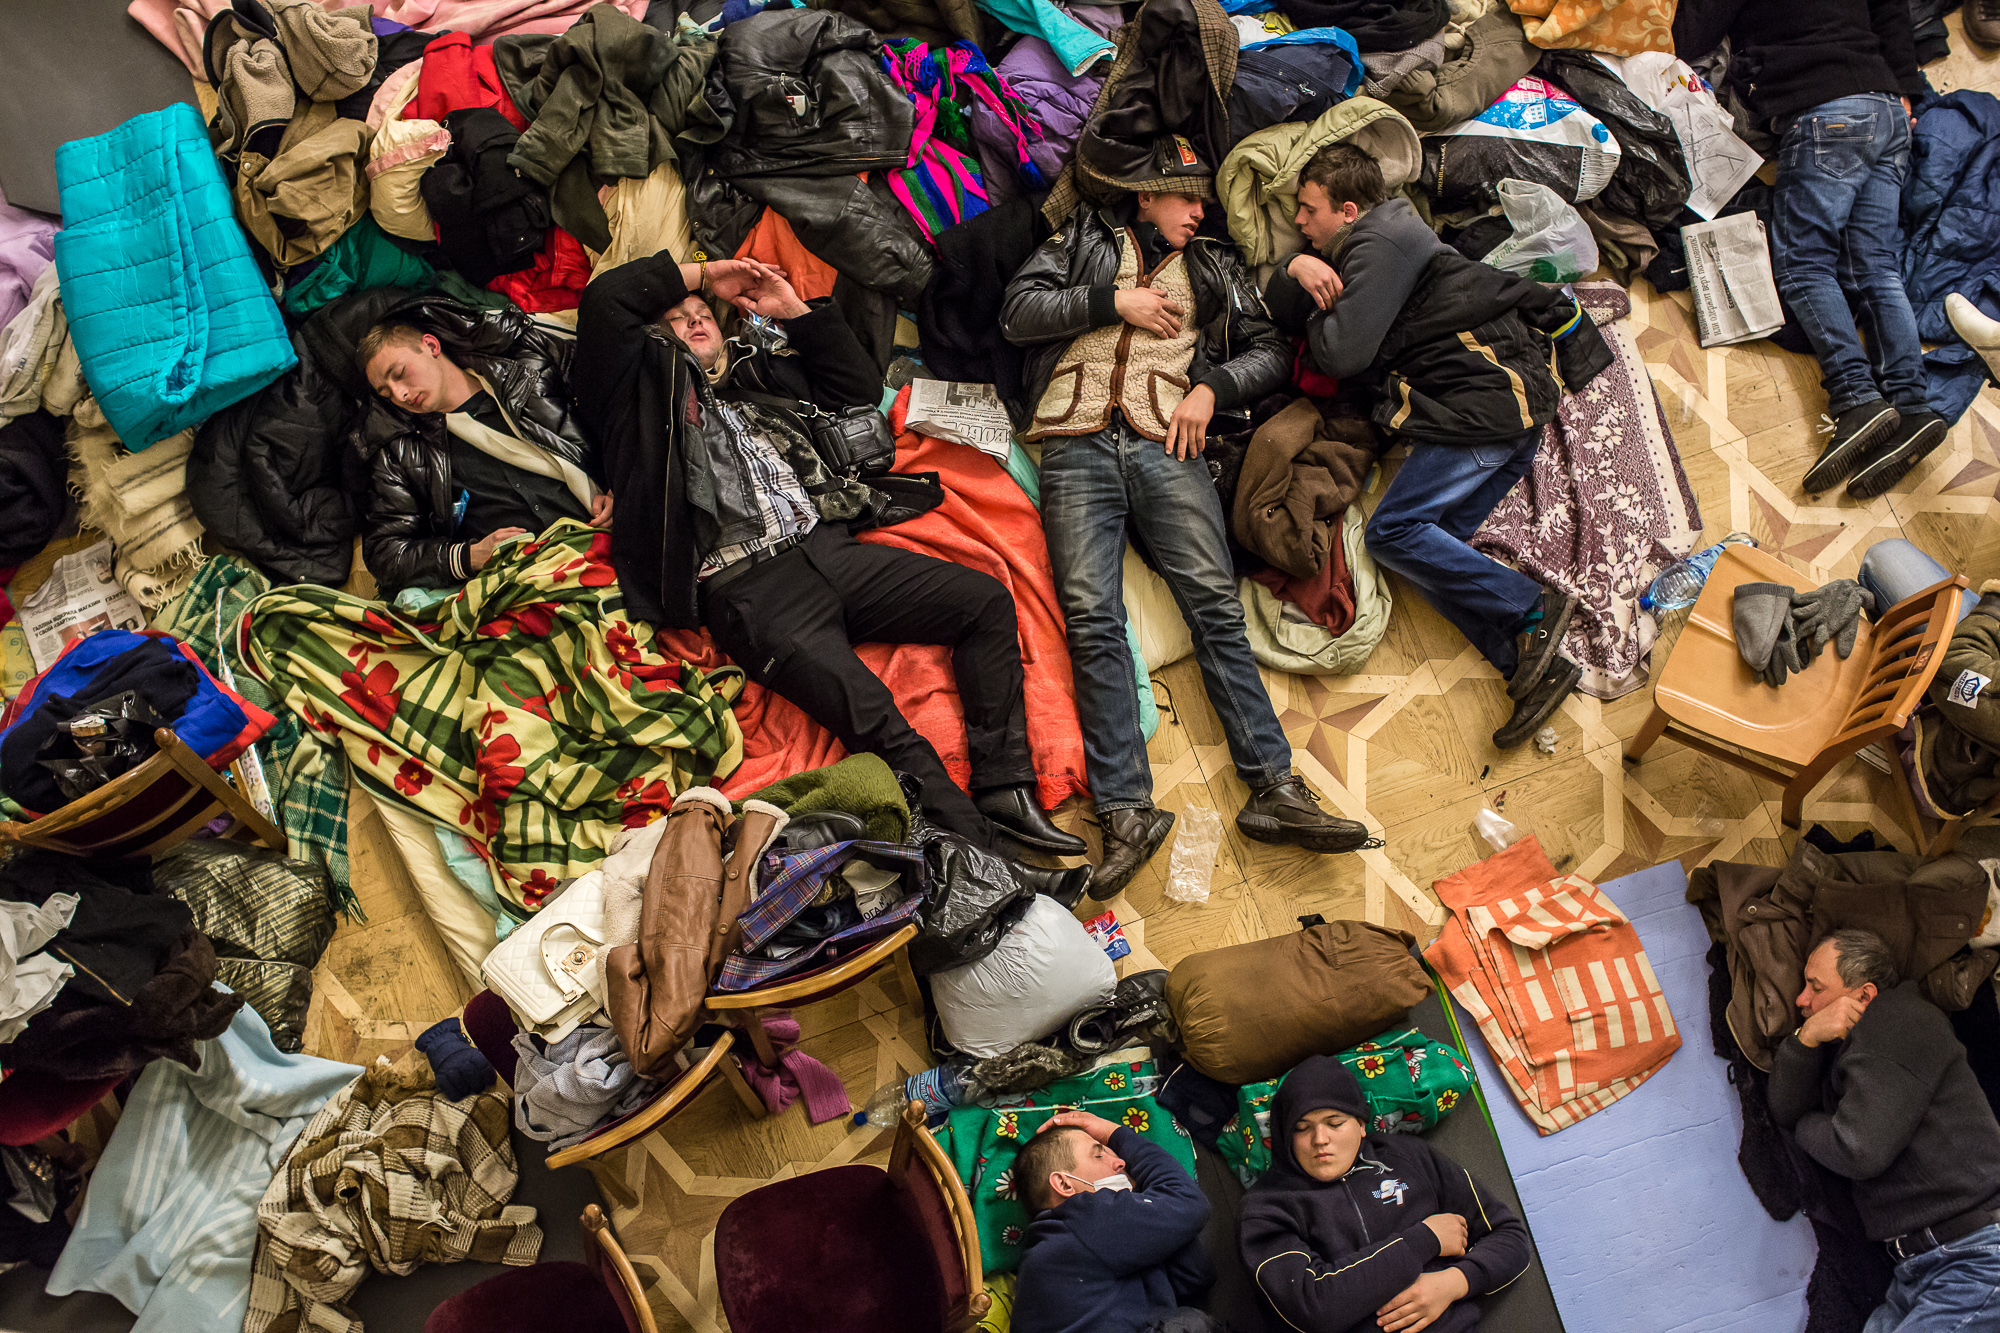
<point x="1551" y="241"/>
<point x="1535" y="132"/>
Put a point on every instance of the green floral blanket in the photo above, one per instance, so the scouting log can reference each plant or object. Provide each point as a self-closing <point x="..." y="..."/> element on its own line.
<point x="522" y="710"/>
<point x="981" y="1144"/>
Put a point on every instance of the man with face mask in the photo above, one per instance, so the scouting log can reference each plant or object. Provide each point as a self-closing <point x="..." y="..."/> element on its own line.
<point x="1115" y="1245"/>
<point x="1874" y="1086"/>
<point x="719" y="524"/>
<point x="1352" y="1231"/>
<point x="1457" y="356"/>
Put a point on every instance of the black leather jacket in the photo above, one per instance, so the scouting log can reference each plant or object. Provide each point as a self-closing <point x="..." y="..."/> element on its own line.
<point x="407" y="540"/>
<point x="1048" y="306"/>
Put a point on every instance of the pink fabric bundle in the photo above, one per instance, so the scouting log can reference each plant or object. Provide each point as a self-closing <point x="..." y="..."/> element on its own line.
<point x="797" y="1075"/>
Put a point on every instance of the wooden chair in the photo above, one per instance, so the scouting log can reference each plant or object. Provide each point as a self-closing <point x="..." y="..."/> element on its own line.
<point x="1709" y="700"/>
<point x="157" y="805"/>
<point x="670" y="1102"/>
<point x="600" y="1295"/>
<point x="856" y="1249"/>
<point x="811" y="987"/>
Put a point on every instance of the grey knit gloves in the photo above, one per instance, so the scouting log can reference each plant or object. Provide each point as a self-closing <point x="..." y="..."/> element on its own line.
<point x="1829" y="614"/>
<point x="1779" y="631"/>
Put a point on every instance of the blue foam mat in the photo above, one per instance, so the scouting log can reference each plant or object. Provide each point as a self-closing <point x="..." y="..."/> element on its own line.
<point x="1642" y="1217"/>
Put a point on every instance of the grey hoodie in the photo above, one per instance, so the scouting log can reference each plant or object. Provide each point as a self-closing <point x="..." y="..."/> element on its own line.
<point x="1381" y="257"/>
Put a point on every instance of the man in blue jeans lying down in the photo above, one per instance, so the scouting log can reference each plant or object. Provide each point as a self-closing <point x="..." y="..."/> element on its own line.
<point x="1833" y="79"/>
<point x="1458" y="358"/>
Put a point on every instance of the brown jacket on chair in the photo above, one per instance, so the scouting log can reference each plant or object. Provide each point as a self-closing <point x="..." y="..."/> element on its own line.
<point x="1299" y="475"/>
<point x="703" y="876"/>
<point x="1769" y="918"/>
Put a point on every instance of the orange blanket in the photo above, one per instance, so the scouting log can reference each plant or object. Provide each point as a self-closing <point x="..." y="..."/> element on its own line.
<point x="1557" y="980"/>
<point x="985" y="523"/>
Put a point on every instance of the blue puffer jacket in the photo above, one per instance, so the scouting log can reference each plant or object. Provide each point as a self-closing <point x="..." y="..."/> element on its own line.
<point x="169" y="315"/>
<point x="1951" y="209"/>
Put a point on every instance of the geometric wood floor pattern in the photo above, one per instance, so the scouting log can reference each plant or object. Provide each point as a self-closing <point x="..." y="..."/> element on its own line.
<point x="1403" y="745"/>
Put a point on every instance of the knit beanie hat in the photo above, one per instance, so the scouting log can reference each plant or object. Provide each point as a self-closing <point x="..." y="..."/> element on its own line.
<point x="1317" y="1082"/>
<point x="332" y="53"/>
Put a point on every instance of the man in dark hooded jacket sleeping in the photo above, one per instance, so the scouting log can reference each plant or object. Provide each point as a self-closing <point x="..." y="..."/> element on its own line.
<point x="1354" y="1231"/>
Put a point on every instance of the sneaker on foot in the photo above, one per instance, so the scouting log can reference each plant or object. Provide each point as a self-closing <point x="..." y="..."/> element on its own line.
<point x="1857" y="430"/>
<point x="1540" y="705"/>
<point x="1541" y="640"/>
<point x="1890" y="461"/>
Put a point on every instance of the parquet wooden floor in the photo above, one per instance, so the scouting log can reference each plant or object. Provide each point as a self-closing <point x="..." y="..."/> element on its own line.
<point x="1402" y="746"/>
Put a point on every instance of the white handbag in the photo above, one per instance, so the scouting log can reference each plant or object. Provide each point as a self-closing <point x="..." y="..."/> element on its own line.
<point x="550" y="971"/>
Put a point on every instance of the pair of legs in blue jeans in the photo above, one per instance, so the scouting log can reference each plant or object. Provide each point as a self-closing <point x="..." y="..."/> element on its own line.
<point x="1092" y="486"/>
<point x="1440" y="496"/>
<point x="1837" y="230"/>
<point x="1954" y="1288"/>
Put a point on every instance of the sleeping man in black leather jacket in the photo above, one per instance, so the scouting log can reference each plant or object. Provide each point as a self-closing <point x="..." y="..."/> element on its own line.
<point x="490" y="452"/>
<point x="720" y="502"/>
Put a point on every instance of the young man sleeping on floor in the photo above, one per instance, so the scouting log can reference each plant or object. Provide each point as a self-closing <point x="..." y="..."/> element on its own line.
<point x="1354" y="1231"/>
<point x="1115" y="1246"/>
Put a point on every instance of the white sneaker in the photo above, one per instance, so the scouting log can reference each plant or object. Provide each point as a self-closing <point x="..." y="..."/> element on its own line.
<point x="1982" y="333"/>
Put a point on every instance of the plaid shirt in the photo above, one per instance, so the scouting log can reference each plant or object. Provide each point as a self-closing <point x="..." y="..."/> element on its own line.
<point x="790" y="883"/>
<point x="782" y="501"/>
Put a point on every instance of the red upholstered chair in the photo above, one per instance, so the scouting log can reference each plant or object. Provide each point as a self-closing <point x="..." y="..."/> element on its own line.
<point x="855" y="1249"/>
<point x="601" y="1295"/>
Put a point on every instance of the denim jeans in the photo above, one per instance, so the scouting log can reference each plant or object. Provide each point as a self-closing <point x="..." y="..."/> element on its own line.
<point x="1896" y="568"/>
<point x="1835" y="232"/>
<point x="1952" y="1289"/>
<point x="1440" y="496"/>
<point x="1092" y="486"/>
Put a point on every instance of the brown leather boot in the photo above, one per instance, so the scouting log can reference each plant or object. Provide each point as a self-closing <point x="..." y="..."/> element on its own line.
<point x="1130" y="839"/>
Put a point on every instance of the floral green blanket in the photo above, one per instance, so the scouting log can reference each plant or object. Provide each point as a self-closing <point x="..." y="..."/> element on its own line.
<point x="981" y="1144"/>
<point x="524" y="710"/>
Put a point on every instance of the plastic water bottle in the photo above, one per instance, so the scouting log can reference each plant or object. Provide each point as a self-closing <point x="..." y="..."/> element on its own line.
<point x="1680" y="583"/>
<point x="939" y="1088"/>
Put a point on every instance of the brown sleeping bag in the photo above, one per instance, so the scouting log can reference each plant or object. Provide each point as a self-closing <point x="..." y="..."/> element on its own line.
<point x="1251" y="1011"/>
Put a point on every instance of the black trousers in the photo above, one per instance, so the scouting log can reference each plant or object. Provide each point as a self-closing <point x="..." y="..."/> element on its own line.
<point x="792" y="623"/>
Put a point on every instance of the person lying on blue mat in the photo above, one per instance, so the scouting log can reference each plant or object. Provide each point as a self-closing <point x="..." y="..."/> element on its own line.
<point x="1351" y="1230"/>
<point x="1115" y="1246"/>
<point x="1875" y="1087"/>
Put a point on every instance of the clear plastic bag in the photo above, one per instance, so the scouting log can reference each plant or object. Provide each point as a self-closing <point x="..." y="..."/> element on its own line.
<point x="1196" y="844"/>
<point x="1551" y="241"/>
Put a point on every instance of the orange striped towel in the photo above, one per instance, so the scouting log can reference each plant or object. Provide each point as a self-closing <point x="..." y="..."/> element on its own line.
<point x="1556" y="979"/>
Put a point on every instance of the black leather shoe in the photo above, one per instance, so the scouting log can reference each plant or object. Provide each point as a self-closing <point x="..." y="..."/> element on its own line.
<point x="1138" y="1010"/>
<point x="1130" y="839"/>
<point x="1538" y="647"/>
<point x="1530" y="713"/>
<point x="1015" y="812"/>
<point x="1288" y="813"/>
<point x="1066" y="886"/>
<point x="821" y="828"/>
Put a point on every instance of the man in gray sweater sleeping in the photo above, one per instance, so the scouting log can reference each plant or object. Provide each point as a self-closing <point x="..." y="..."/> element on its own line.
<point x="1875" y="1088"/>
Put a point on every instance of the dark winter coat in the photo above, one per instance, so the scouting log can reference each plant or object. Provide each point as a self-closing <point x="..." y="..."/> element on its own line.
<point x="1295" y="81"/>
<point x="1951" y="210"/>
<point x="1895" y="1109"/>
<point x="1375" y="25"/>
<point x="280" y="477"/>
<point x="1329" y="1254"/>
<point x="1175" y="66"/>
<point x="633" y="384"/>
<point x="1110" y="1262"/>
<point x="803" y="162"/>
<point x="408" y="539"/>
<point x="1455" y="352"/>
<point x="1059" y="292"/>
<point x="958" y="317"/>
<point x="1786" y="58"/>
<point x="33" y="470"/>
<point x="490" y="219"/>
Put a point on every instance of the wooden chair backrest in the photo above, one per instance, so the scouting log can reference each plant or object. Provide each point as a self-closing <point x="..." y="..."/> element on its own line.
<point x="1904" y="655"/>
<point x="816" y="985"/>
<point x="667" y="1103"/>
<point x="608" y="1261"/>
<point x="914" y="1148"/>
<point x="157" y="805"/>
